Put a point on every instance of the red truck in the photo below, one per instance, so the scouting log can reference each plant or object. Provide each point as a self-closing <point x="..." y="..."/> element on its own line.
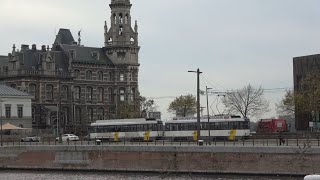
<point x="268" y="126"/>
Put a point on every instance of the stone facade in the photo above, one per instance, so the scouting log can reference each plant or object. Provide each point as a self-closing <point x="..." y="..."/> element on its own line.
<point x="77" y="84"/>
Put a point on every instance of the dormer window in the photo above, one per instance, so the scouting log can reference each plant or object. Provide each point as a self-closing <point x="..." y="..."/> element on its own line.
<point x="95" y="55"/>
<point x="72" y="54"/>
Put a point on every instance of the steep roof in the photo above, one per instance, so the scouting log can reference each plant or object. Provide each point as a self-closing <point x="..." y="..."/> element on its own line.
<point x="9" y="91"/>
<point x="88" y="54"/>
<point x="64" y="37"/>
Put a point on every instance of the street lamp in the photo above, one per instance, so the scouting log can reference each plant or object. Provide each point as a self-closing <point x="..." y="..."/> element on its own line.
<point x="208" y="110"/>
<point x="198" y="102"/>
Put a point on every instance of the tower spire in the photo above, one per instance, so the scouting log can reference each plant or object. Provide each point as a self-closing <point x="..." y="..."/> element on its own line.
<point x="121" y="40"/>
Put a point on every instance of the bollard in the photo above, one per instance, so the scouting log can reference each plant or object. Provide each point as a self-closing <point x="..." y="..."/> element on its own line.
<point x="98" y="142"/>
<point x="200" y="142"/>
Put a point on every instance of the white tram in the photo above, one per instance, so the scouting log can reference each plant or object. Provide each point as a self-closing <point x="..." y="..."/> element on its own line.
<point x="128" y="129"/>
<point x="218" y="127"/>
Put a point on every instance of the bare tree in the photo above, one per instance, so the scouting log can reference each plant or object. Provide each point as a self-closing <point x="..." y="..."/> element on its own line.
<point x="247" y="101"/>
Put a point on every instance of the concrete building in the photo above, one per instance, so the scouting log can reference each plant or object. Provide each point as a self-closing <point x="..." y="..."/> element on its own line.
<point x="303" y="66"/>
<point x="15" y="107"/>
<point x="76" y="84"/>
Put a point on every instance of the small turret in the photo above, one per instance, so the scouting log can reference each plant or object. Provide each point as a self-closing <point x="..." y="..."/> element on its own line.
<point x="136" y="27"/>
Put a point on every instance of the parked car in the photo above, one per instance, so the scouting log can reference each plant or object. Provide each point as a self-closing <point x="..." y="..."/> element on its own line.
<point x="30" y="139"/>
<point x="68" y="137"/>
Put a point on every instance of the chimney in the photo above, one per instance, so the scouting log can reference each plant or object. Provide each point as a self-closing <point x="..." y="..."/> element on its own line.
<point x="24" y="47"/>
<point x="43" y="48"/>
<point x="34" y="47"/>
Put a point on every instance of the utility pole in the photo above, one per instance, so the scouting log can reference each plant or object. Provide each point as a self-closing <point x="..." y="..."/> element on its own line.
<point x="208" y="110"/>
<point x="1" y="122"/>
<point x="198" y="102"/>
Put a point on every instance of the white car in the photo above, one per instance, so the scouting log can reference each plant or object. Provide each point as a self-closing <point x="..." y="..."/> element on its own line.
<point x="30" y="139"/>
<point x="68" y="137"/>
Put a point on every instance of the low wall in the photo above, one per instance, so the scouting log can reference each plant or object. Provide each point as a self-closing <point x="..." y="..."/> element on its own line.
<point x="249" y="160"/>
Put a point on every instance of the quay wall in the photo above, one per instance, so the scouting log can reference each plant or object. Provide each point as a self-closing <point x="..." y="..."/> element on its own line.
<point x="284" y="160"/>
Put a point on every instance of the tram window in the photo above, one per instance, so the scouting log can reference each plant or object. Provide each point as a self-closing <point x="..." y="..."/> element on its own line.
<point x="224" y="125"/>
<point x="217" y="126"/>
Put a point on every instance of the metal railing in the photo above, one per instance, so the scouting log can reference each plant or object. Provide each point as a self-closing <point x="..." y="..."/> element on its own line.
<point x="252" y="142"/>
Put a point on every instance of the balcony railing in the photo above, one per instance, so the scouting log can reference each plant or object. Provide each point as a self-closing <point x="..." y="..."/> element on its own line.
<point x="33" y="73"/>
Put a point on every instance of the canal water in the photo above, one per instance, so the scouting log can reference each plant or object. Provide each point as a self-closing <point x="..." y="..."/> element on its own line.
<point x="55" y="175"/>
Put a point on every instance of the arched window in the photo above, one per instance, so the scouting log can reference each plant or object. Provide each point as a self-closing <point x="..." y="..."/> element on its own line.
<point x="121" y="76"/>
<point x="115" y="18"/>
<point x="65" y="116"/>
<point x="126" y="19"/>
<point x="100" y="76"/>
<point x="100" y="94"/>
<point x="64" y="92"/>
<point x="32" y="90"/>
<point x="89" y="75"/>
<point x="110" y="95"/>
<point x="110" y="40"/>
<point x="100" y="113"/>
<point x="120" y="18"/>
<point x="90" y="114"/>
<point x="133" y="94"/>
<point x="122" y="94"/>
<point x="89" y="94"/>
<point x="77" y="115"/>
<point x="49" y="92"/>
<point x="132" y="40"/>
<point x="77" y="93"/>
<point x="77" y="74"/>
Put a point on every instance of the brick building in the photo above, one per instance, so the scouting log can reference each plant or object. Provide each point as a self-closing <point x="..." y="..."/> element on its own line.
<point x="74" y="83"/>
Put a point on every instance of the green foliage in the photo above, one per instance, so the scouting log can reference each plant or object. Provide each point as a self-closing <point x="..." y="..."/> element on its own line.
<point x="183" y="105"/>
<point x="307" y="98"/>
<point x="287" y="105"/>
<point x="127" y="111"/>
<point x="132" y="110"/>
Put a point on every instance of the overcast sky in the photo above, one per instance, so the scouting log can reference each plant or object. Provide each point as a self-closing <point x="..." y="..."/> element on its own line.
<point x="233" y="42"/>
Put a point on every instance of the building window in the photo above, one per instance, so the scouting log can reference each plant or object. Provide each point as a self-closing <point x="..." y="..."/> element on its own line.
<point x="111" y="76"/>
<point x="121" y="76"/>
<point x="89" y="75"/>
<point x="49" y="92"/>
<point x="65" y="116"/>
<point x="122" y="94"/>
<point x="64" y="92"/>
<point x="100" y="76"/>
<point x="110" y="95"/>
<point x="100" y="94"/>
<point x="20" y="111"/>
<point x="89" y="94"/>
<point x="132" y="94"/>
<point x="100" y="113"/>
<point x="77" y="93"/>
<point x="8" y="111"/>
<point x="48" y="66"/>
<point x="78" y="115"/>
<point x="32" y="90"/>
<point x="90" y="114"/>
<point x="77" y="73"/>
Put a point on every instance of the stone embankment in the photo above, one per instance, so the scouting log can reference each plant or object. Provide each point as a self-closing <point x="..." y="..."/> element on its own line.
<point x="283" y="160"/>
